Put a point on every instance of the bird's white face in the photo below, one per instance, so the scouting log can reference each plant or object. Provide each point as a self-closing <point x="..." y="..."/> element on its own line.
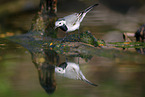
<point x="60" y="23"/>
<point x="59" y="70"/>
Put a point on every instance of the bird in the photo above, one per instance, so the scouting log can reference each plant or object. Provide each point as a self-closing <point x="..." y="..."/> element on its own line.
<point x="72" y="22"/>
<point x="71" y="70"/>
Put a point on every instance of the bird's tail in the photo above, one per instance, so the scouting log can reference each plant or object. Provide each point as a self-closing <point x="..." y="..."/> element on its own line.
<point x="84" y="12"/>
<point x="89" y="8"/>
<point x="83" y="78"/>
<point x="87" y="81"/>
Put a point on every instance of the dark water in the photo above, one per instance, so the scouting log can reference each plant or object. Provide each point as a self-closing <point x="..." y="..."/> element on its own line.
<point x="115" y="77"/>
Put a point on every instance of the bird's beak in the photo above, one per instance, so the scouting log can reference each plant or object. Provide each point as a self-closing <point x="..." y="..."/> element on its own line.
<point x="63" y="27"/>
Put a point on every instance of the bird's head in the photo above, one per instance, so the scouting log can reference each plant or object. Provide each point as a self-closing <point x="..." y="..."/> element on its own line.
<point x="59" y="70"/>
<point x="61" y="23"/>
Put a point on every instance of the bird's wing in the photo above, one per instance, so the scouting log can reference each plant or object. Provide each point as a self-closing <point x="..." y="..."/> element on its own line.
<point x="80" y="16"/>
<point x="72" y="19"/>
<point x="72" y="71"/>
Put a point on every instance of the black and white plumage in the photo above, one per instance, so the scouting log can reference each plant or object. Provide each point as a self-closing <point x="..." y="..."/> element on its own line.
<point x="72" y="22"/>
<point x="71" y="70"/>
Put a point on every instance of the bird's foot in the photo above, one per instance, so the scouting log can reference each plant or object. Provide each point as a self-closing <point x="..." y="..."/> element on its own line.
<point x="63" y="40"/>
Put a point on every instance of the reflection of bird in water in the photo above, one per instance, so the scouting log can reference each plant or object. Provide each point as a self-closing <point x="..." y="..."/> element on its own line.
<point x="72" y="71"/>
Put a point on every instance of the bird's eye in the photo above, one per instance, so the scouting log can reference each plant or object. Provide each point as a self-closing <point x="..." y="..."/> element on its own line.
<point x="59" y="23"/>
<point x="59" y="70"/>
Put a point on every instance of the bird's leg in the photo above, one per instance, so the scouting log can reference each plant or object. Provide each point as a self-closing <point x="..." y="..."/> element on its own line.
<point x="78" y="31"/>
<point x="79" y="34"/>
<point x="66" y="59"/>
<point x="78" y="60"/>
<point x="66" y="34"/>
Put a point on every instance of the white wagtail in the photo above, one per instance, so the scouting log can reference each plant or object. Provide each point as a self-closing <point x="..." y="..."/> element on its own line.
<point x="71" y="70"/>
<point x="72" y="22"/>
